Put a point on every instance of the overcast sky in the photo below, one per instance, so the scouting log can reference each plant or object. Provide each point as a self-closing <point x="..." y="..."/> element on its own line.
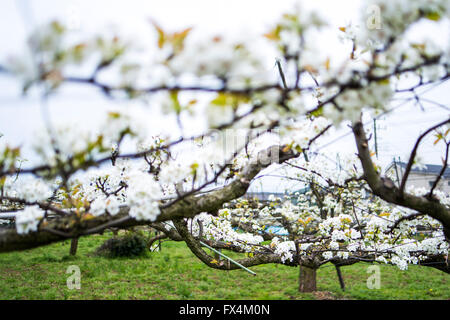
<point x="20" y="117"/>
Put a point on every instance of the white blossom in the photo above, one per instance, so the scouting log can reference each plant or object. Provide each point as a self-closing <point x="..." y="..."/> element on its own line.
<point x="28" y="219"/>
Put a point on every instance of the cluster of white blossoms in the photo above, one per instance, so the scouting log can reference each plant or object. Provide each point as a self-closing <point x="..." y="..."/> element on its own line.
<point x="68" y="142"/>
<point x="336" y="226"/>
<point x="62" y="143"/>
<point x="120" y="123"/>
<point x="292" y="27"/>
<point x="142" y="196"/>
<point x="221" y="58"/>
<point x="284" y="249"/>
<point x="198" y="162"/>
<point x="125" y="184"/>
<point x="324" y="167"/>
<point x="394" y="17"/>
<point x="96" y="191"/>
<point x="382" y="46"/>
<point x="28" y="219"/>
<point x="102" y="205"/>
<point x="29" y="188"/>
<point x="175" y="171"/>
<point x="52" y="50"/>
<point x="138" y="184"/>
<point x="220" y="229"/>
<point x="298" y="134"/>
<point x="355" y="224"/>
<point x="440" y="195"/>
<point x="348" y="105"/>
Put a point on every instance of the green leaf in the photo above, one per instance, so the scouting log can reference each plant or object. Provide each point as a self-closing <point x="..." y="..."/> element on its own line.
<point x="318" y="112"/>
<point x="228" y="99"/>
<point x="161" y="35"/>
<point x="433" y="15"/>
<point x="383" y="81"/>
<point x="175" y="102"/>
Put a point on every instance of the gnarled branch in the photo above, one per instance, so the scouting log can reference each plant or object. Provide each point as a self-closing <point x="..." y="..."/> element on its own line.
<point x="386" y="189"/>
<point x="191" y="205"/>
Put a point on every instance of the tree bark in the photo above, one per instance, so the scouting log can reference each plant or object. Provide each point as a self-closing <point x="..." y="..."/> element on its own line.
<point x="217" y="256"/>
<point x="152" y="240"/>
<point x="73" y="246"/>
<point x="307" y="279"/>
<point x="386" y="189"/>
<point x="190" y="206"/>
<point x="341" y="278"/>
<point x="197" y="249"/>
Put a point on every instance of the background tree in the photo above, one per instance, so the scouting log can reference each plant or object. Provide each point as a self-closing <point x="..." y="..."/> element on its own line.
<point x="340" y="223"/>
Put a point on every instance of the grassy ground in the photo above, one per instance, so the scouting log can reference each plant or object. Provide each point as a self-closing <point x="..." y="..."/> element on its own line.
<point x="174" y="273"/>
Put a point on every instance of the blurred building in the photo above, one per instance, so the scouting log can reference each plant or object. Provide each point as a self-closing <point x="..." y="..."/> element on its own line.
<point x="263" y="196"/>
<point x="420" y="177"/>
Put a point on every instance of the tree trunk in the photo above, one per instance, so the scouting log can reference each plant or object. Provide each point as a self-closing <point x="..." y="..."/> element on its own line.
<point x="73" y="246"/>
<point x="307" y="279"/>
<point x="341" y="278"/>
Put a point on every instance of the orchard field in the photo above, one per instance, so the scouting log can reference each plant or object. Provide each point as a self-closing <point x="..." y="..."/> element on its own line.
<point x="308" y="144"/>
<point x="174" y="273"/>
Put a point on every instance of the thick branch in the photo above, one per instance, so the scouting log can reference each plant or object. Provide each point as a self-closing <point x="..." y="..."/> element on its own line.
<point x="414" y="152"/>
<point x="386" y="190"/>
<point x="441" y="173"/>
<point x="198" y="251"/>
<point x="192" y="205"/>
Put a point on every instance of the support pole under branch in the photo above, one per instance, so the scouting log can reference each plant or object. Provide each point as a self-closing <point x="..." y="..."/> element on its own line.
<point x="235" y="262"/>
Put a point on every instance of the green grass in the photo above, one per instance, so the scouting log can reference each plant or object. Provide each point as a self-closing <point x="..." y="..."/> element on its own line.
<point x="174" y="273"/>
